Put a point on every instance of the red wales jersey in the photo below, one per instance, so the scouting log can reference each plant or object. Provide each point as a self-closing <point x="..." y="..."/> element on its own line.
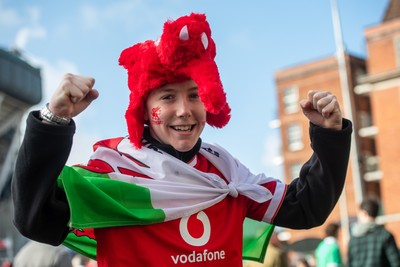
<point x="212" y="237"/>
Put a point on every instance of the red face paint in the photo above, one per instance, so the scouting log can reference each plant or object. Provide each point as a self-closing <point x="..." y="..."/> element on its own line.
<point x="155" y="115"/>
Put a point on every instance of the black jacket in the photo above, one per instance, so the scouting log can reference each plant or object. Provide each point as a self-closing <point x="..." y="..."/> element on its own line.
<point x="42" y="211"/>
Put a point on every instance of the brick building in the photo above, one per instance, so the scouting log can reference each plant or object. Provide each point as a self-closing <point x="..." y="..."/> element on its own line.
<point x="373" y="96"/>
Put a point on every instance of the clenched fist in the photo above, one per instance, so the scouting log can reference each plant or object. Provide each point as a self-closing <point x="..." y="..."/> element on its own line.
<point x="322" y="109"/>
<point x="73" y="95"/>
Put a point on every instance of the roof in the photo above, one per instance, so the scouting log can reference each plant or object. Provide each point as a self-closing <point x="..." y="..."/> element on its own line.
<point x="392" y="11"/>
<point x="19" y="79"/>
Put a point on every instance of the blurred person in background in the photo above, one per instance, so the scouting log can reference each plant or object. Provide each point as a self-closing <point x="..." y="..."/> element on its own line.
<point x="35" y="254"/>
<point x="79" y="260"/>
<point x="370" y="244"/>
<point x="302" y="262"/>
<point x="327" y="253"/>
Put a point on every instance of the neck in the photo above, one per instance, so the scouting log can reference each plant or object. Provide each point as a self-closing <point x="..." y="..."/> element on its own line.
<point x="184" y="156"/>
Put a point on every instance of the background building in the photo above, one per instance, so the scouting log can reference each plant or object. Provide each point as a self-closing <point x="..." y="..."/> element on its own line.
<point x="374" y="104"/>
<point x="20" y="88"/>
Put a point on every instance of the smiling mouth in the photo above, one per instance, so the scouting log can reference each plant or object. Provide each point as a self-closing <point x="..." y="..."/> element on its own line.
<point x="183" y="128"/>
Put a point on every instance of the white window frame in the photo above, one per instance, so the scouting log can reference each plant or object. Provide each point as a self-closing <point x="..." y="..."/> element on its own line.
<point x="295" y="136"/>
<point x="397" y="51"/>
<point x="295" y="170"/>
<point x="291" y="100"/>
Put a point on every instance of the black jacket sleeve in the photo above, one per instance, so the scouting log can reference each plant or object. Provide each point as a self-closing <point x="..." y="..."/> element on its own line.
<point x="311" y="198"/>
<point x="41" y="210"/>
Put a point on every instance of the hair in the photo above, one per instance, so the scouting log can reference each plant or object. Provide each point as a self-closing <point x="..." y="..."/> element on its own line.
<point x="370" y="206"/>
<point x="332" y="229"/>
<point x="302" y="262"/>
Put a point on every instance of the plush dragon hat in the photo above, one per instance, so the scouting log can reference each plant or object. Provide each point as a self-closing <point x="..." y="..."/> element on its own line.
<point x="184" y="51"/>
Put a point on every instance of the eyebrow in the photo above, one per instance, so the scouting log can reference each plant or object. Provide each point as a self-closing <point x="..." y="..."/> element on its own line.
<point x="165" y="88"/>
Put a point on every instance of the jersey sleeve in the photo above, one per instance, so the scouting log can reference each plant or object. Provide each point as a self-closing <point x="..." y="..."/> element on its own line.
<point x="267" y="211"/>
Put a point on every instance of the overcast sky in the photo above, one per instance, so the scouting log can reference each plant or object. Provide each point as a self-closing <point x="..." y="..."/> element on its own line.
<point x="254" y="40"/>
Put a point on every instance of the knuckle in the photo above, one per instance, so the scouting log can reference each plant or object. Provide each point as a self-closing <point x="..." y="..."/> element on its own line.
<point x="91" y="81"/>
<point x="68" y="76"/>
<point x="67" y="80"/>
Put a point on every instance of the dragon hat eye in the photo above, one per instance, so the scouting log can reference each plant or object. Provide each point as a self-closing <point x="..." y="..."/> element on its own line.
<point x="204" y="40"/>
<point x="184" y="34"/>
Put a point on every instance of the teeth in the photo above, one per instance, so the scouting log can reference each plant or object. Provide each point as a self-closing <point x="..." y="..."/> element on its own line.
<point x="183" y="128"/>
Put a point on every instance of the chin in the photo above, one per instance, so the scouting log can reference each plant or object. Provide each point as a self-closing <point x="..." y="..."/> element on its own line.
<point x="183" y="148"/>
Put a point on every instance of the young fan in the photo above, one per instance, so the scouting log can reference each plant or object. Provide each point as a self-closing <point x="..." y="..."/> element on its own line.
<point x="161" y="196"/>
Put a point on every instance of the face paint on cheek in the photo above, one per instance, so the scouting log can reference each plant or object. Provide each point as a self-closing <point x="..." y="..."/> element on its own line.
<point x="155" y="115"/>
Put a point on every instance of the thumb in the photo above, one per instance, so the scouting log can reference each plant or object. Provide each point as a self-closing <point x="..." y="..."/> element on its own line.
<point x="306" y="106"/>
<point x="92" y="95"/>
<point x="82" y="105"/>
<point x="311" y="114"/>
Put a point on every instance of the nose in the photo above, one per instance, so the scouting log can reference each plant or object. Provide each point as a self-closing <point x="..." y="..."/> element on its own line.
<point x="183" y="108"/>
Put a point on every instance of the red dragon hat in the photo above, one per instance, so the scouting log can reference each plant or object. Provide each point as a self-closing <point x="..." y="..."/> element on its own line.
<point x="184" y="51"/>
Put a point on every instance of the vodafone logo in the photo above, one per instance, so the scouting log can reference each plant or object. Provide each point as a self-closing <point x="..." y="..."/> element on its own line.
<point x="199" y="241"/>
<point x="197" y="256"/>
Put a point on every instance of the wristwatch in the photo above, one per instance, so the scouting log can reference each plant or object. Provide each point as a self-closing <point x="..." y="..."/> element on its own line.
<point x="47" y="115"/>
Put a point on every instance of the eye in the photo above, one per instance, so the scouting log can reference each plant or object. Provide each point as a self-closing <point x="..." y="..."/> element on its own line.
<point x="167" y="97"/>
<point x="194" y="95"/>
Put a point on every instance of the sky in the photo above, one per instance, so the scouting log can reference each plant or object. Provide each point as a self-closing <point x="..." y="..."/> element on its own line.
<point x="254" y="40"/>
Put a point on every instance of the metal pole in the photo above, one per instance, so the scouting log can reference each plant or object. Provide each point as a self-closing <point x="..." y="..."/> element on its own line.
<point x="348" y="111"/>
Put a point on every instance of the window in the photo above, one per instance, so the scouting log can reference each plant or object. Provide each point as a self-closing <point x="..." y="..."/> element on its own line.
<point x="295" y="170"/>
<point x="295" y="137"/>
<point x="397" y="47"/>
<point x="291" y="99"/>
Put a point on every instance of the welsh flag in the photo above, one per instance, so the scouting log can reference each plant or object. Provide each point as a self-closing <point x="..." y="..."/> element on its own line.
<point x="124" y="203"/>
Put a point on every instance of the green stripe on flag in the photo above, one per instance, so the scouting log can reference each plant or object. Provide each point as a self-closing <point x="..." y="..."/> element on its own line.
<point x="256" y="236"/>
<point x="99" y="202"/>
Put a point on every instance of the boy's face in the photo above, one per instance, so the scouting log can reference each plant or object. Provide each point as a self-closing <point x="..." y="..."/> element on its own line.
<point x="176" y="115"/>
